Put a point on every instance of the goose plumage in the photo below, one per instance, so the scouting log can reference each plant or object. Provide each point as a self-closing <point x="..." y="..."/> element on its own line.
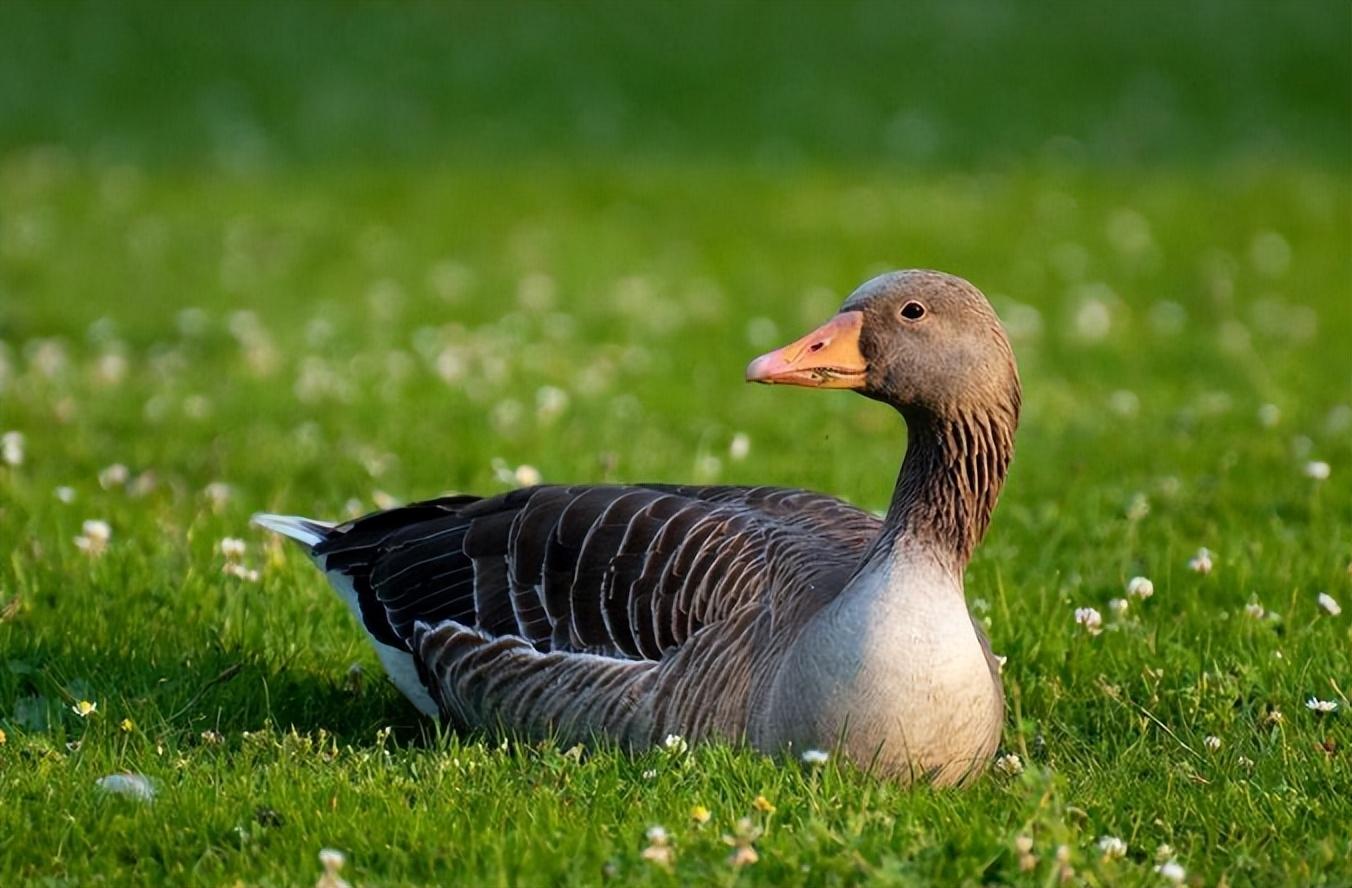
<point x="779" y="617"/>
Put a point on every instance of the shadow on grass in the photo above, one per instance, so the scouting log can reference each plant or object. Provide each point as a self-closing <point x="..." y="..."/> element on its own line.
<point x="222" y="690"/>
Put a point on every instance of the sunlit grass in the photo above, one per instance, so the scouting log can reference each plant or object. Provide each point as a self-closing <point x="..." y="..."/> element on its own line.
<point x="320" y="342"/>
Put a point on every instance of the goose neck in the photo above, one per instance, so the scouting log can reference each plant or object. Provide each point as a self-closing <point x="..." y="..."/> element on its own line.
<point x="950" y="480"/>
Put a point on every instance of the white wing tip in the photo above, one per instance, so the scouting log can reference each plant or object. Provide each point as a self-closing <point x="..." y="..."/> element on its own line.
<point x="306" y="531"/>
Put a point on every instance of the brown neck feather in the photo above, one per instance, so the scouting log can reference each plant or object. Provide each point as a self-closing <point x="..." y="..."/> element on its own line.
<point x="949" y="483"/>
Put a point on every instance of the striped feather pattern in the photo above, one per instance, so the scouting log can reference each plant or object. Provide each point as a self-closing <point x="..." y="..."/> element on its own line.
<point x="508" y="602"/>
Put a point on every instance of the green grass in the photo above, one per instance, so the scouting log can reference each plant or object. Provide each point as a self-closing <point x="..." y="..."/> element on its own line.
<point x="370" y="314"/>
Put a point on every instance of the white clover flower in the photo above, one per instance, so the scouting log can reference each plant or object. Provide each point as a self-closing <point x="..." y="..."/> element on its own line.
<point x="1314" y="704"/>
<point x="115" y="475"/>
<point x="1090" y="619"/>
<point x="1317" y="469"/>
<point x="1112" y="847"/>
<point x="659" y="850"/>
<point x="526" y="475"/>
<point x="1119" y="606"/>
<point x="1009" y="764"/>
<point x="126" y="783"/>
<point x="1212" y="742"/>
<point x="675" y="744"/>
<point x="241" y="572"/>
<point x="815" y="756"/>
<point x="1172" y="871"/>
<point x="332" y="861"/>
<point x="550" y="402"/>
<point x="1201" y="562"/>
<point x="64" y="494"/>
<point x="1140" y="587"/>
<point x="1330" y="604"/>
<point x="11" y="448"/>
<point x="218" y="493"/>
<point x="94" y="536"/>
<point x="1255" y="609"/>
<point x="740" y="447"/>
<point x="97" y="530"/>
<point x="1138" y="508"/>
<point x="233" y="548"/>
<point x="649" y="774"/>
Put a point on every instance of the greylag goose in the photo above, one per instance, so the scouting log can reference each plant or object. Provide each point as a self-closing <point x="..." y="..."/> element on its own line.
<point x="787" y="619"/>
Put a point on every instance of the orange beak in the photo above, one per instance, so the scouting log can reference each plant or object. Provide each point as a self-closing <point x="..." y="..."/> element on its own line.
<point x="828" y="357"/>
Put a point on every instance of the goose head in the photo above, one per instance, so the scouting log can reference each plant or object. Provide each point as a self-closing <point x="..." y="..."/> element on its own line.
<point x="925" y="342"/>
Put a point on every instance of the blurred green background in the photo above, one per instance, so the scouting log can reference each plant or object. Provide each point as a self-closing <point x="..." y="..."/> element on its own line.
<point x="258" y="86"/>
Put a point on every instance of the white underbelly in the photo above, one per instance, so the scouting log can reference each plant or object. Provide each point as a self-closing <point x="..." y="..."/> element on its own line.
<point x="398" y="663"/>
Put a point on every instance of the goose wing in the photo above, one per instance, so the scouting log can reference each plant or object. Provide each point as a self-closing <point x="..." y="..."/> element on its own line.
<point x="619" y="572"/>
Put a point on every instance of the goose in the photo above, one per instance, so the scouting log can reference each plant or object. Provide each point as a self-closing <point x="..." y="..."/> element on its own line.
<point x="779" y="618"/>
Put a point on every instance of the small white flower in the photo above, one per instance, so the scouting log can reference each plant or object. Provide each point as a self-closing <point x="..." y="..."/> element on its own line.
<point x="649" y="775"/>
<point x="1140" y="587"/>
<point x="675" y="744"/>
<point x="815" y="756"/>
<point x="740" y="447"/>
<point x="526" y="475"/>
<point x="1112" y="847"/>
<point x="97" y="530"/>
<point x="550" y="402"/>
<point x="1317" y="469"/>
<point x="1201" y="562"/>
<point x="1119" y="606"/>
<point x="1330" y="604"/>
<point x="1212" y="742"/>
<point x="1172" y="871"/>
<point x="659" y="850"/>
<point x="1269" y="415"/>
<point x="1009" y="764"/>
<point x="218" y="494"/>
<point x="84" y="709"/>
<point x="94" y="536"/>
<point x="332" y="861"/>
<point x="65" y="494"/>
<point x="115" y="475"/>
<point x="233" y="548"/>
<point x="1138" y="508"/>
<point x="1244" y="761"/>
<point x="1090" y="619"/>
<point x="11" y="448"/>
<point x="1314" y="704"/>
<point x="1255" y="609"/>
<point x="136" y="786"/>
<point x="240" y="571"/>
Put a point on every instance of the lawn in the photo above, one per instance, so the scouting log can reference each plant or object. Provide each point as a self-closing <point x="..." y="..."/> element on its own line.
<point x="320" y="258"/>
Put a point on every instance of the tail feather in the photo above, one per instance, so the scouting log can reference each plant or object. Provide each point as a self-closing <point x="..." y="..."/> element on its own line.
<point x="306" y="531"/>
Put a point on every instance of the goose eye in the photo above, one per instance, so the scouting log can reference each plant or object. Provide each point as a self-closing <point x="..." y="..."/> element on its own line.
<point x="913" y="311"/>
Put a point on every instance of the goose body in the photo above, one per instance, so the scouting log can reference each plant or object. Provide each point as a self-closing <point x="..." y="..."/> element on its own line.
<point x="784" y="618"/>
